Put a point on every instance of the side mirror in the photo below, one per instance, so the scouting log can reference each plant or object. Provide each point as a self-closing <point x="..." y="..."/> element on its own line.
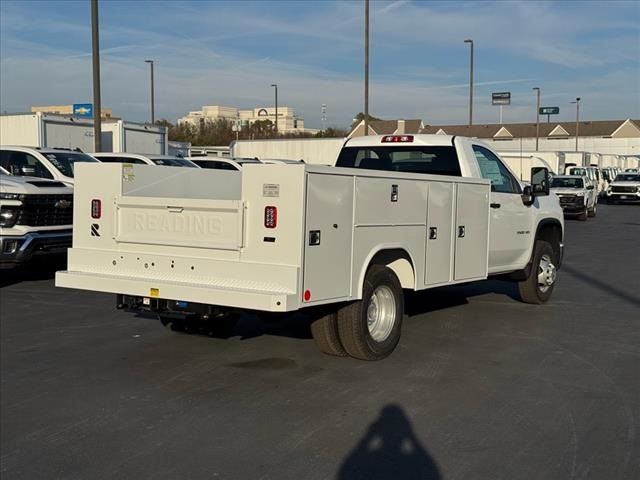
<point x="590" y="187"/>
<point x="527" y="195"/>
<point x="540" y="181"/>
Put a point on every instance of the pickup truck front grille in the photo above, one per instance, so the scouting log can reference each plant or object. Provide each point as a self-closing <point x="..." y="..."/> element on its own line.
<point x="46" y="210"/>
<point x="567" y="199"/>
<point x="623" y="189"/>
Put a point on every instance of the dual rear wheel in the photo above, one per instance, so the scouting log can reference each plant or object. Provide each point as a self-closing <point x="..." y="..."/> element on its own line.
<point x="368" y="329"/>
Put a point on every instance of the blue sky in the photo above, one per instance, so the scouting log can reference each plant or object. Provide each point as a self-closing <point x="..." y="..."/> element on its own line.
<point x="228" y="53"/>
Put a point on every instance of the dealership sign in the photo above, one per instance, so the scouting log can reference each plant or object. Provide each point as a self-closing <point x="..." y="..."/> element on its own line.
<point x="501" y="98"/>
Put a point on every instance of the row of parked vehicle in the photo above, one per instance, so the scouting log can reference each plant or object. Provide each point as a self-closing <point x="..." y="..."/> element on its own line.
<point x="37" y="192"/>
<point x="580" y="189"/>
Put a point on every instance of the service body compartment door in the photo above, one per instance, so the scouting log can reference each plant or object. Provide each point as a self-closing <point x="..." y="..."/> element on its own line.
<point x="440" y="216"/>
<point x="328" y="236"/>
<point x="471" y="232"/>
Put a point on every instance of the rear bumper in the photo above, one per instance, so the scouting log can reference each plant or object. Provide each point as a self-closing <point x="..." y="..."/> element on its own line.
<point x="15" y="250"/>
<point x="262" y="300"/>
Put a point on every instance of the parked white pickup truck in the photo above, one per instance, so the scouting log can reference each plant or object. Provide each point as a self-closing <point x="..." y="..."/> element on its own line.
<point x="577" y="195"/>
<point x="397" y="212"/>
<point x="35" y="218"/>
<point x="624" y="188"/>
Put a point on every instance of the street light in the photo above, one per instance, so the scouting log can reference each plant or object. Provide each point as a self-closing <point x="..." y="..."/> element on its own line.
<point x="275" y="85"/>
<point x="153" y="116"/>
<point x="366" y="67"/>
<point x="97" y="110"/>
<point x="577" y="103"/>
<point x="470" y="42"/>
<point x="537" y="90"/>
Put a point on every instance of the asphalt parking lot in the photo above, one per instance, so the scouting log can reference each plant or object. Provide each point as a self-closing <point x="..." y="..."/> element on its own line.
<point x="481" y="386"/>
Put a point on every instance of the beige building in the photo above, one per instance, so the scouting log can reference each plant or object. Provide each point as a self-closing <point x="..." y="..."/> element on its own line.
<point x="387" y="127"/>
<point x="288" y="122"/>
<point x="66" y="110"/>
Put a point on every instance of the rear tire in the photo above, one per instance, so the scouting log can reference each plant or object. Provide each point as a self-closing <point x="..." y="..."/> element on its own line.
<point x="538" y="286"/>
<point x="370" y="328"/>
<point x="325" y="333"/>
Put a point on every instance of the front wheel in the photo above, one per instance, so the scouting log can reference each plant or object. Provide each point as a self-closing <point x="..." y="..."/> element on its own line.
<point x="583" y="215"/>
<point x="592" y="210"/>
<point x="369" y="329"/>
<point x="538" y="286"/>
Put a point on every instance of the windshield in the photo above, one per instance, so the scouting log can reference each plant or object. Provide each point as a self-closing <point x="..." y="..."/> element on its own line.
<point x="63" y="161"/>
<point x="627" y="177"/>
<point x="174" y="162"/>
<point x="579" y="171"/>
<point x="567" y="183"/>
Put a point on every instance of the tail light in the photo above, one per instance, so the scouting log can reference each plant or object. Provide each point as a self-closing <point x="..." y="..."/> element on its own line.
<point x="96" y="208"/>
<point x="270" y="217"/>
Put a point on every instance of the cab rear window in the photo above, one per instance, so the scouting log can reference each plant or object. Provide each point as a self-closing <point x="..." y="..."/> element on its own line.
<point x="433" y="160"/>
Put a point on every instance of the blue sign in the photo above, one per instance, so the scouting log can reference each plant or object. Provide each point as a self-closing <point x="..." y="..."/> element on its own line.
<point x="83" y="110"/>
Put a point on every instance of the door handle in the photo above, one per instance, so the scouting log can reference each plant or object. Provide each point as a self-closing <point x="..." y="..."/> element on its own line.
<point x="433" y="233"/>
<point x="495" y="205"/>
<point x="461" y="231"/>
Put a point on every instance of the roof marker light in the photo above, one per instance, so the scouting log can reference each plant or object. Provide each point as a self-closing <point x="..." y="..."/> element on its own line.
<point x="397" y="139"/>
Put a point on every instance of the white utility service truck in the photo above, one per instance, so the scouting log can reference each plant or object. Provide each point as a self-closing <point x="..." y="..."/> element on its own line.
<point x="396" y="212"/>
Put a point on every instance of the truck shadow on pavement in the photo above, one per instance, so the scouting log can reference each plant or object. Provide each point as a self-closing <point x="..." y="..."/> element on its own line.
<point x="43" y="269"/>
<point x="389" y="450"/>
<point x="298" y="324"/>
<point x="431" y="300"/>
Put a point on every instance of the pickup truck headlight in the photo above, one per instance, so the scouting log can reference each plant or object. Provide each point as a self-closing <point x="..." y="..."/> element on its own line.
<point x="9" y="196"/>
<point x="8" y="216"/>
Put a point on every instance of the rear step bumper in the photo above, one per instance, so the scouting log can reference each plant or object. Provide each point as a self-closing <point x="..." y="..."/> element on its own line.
<point x="180" y="291"/>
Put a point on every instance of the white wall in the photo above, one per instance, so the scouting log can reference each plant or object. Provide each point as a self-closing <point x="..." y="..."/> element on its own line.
<point x="620" y="146"/>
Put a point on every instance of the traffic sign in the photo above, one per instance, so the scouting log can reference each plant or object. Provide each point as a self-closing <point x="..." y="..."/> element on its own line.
<point x="501" y="98"/>
<point x="83" y="110"/>
<point x="549" y="110"/>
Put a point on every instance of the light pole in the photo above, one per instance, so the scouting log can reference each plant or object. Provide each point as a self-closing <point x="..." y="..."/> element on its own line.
<point x="577" y="103"/>
<point x="97" y="110"/>
<point x="470" y="42"/>
<point x="366" y="67"/>
<point x="153" y="115"/>
<point x="275" y="85"/>
<point x="537" y="90"/>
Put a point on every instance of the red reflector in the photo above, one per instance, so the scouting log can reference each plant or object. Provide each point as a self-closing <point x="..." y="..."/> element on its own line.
<point x="96" y="208"/>
<point x="307" y="295"/>
<point x="397" y="139"/>
<point x="270" y="217"/>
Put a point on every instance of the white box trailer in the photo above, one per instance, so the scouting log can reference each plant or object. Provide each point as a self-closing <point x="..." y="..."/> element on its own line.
<point x="130" y="137"/>
<point x="554" y="160"/>
<point x="46" y="130"/>
<point x="315" y="151"/>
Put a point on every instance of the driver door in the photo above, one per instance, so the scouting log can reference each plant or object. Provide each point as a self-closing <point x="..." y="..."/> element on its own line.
<point x="510" y="227"/>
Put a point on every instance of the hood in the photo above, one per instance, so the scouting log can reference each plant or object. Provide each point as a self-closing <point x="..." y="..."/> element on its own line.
<point x="624" y="184"/>
<point x="568" y="191"/>
<point x="32" y="186"/>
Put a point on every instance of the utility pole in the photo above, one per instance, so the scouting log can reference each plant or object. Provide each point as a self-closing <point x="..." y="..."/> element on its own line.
<point x="153" y="115"/>
<point x="97" y="110"/>
<point x="537" y="90"/>
<point x="274" y="85"/>
<point x="366" y="67"/>
<point x="577" y="102"/>
<point x="470" y="42"/>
